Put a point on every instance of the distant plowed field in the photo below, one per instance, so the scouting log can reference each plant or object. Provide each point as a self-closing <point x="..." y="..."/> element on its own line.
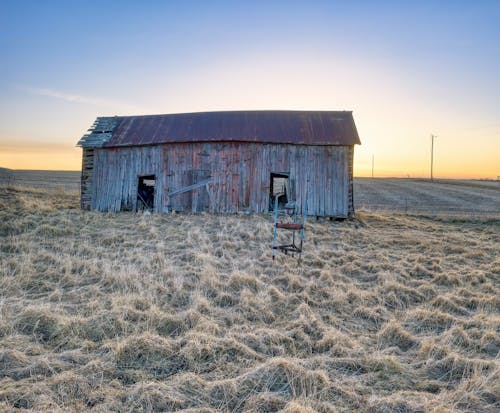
<point x="45" y="179"/>
<point x="420" y="196"/>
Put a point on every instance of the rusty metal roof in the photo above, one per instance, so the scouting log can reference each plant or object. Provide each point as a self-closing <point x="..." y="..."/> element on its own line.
<point x="265" y="126"/>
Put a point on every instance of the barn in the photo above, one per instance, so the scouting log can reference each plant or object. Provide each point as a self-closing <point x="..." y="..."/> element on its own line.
<point x="221" y="162"/>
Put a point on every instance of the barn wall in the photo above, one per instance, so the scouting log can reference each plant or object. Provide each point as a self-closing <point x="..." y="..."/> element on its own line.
<point x="86" y="179"/>
<point x="240" y="175"/>
<point x="116" y="173"/>
<point x="351" y="181"/>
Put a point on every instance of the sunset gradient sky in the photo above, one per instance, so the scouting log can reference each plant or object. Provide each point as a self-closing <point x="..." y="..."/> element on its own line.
<point x="405" y="69"/>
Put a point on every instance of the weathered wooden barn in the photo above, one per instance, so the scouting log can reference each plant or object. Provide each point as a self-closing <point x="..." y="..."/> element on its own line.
<point x="221" y="162"/>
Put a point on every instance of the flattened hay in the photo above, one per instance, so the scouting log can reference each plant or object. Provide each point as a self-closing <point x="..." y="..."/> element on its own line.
<point x="131" y="312"/>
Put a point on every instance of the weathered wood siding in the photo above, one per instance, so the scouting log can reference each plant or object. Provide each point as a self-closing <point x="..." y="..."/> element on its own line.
<point x="240" y="175"/>
<point x="86" y="181"/>
<point x="116" y="173"/>
<point x="351" y="180"/>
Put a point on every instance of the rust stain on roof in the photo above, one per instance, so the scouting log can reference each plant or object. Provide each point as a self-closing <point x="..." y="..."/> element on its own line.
<point x="264" y="126"/>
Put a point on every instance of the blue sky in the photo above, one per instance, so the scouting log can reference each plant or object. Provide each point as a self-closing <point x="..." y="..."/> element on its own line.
<point x="406" y="69"/>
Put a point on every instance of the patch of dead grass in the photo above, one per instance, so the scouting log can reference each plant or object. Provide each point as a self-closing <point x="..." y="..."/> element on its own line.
<point x="117" y="312"/>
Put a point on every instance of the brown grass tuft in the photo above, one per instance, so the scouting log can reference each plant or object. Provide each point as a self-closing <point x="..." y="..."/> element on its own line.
<point x="393" y="334"/>
<point x="428" y="321"/>
<point x="40" y="323"/>
<point x="152" y="396"/>
<point x="284" y="376"/>
<point x="149" y="352"/>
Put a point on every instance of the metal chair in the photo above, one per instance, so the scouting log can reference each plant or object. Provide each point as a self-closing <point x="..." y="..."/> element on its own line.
<point x="294" y="226"/>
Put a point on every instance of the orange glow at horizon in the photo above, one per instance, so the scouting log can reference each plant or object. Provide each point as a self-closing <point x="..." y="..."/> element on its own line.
<point x="50" y="157"/>
<point x="489" y="169"/>
<point x="64" y="157"/>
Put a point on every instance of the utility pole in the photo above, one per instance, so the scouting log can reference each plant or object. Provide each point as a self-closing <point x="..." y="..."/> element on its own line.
<point x="432" y="156"/>
<point x="373" y="163"/>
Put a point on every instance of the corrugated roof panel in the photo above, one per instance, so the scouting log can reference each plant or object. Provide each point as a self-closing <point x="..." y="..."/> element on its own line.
<point x="271" y="126"/>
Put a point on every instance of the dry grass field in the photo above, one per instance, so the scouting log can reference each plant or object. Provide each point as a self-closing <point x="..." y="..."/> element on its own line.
<point x="128" y="312"/>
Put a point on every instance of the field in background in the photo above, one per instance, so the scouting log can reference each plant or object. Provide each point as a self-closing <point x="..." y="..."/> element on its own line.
<point x="128" y="312"/>
<point x="424" y="197"/>
<point x="69" y="180"/>
<point x="411" y="196"/>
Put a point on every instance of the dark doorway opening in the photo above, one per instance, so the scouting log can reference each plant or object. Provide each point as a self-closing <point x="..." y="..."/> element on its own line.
<point x="146" y="192"/>
<point x="278" y="188"/>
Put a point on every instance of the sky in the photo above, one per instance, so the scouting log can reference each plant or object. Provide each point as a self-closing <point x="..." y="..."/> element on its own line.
<point x="406" y="69"/>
